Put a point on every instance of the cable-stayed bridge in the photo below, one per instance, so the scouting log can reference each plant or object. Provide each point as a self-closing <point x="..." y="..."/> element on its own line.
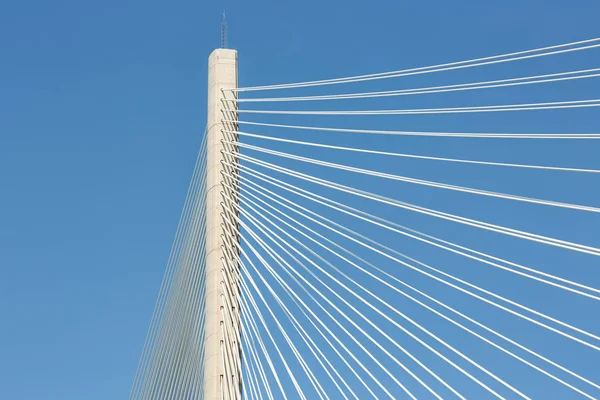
<point x="406" y="234"/>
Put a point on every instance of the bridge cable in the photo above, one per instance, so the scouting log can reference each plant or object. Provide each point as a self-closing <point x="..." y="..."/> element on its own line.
<point x="421" y="181"/>
<point x="416" y="156"/>
<point x="302" y="306"/>
<point x="499" y="83"/>
<point x="433" y="68"/>
<point x="260" y="226"/>
<point x="545" y="136"/>
<point x="426" y="211"/>
<point x="323" y="238"/>
<point x="571" y="104"/>
<point x="460" y="281"/>
<point x="445" y="245"/>
<point x="270" y="232"/>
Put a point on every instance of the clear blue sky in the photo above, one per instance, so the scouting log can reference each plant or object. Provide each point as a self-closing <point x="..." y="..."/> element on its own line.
<point x="102" y="108"/>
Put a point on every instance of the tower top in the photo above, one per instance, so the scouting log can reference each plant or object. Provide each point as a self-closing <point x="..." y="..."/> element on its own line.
<point x="224" y="32"/>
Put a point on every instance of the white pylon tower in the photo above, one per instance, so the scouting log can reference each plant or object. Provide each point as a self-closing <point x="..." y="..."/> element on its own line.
<point x="222" y="359"/>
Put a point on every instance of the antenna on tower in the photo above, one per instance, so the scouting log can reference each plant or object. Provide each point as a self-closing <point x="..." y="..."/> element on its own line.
<point x="224" y="32"/>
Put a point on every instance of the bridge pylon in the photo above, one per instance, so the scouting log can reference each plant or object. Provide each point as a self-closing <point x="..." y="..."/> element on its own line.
<point x="222" y="357"/>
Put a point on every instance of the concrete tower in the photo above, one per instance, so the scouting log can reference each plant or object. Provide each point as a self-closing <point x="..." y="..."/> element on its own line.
<point x="222" y="359"/>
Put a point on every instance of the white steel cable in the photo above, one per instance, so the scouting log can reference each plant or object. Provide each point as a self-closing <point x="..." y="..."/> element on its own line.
<point x="180" y="321"/>
<point x="308" y="341"/>
<point x="553" y="136"/>
<point x="257" y="387"/>
<point x="393" y="322"/>
<point x="386" y="317"/>
<point x="252" y="324"/>
<point x="416" y="156"/>
<point x="326" y="339"/>
<point x="168" y="326"/>
<point x="260" y="226"/>
<point x="186" y="375"/>
<point x="253" y="360"/>
<point x="250" y="383"/>
<point x="413" y="234"/>
<point x="332" y="223"/>
<point x="312" y="346"/>
<point x="311" y="319"/>
<point x="404" y="256"/>
<point x="305" y="337"/>
<point x="250" y="298"/>
<point x="372" y="266"/>
<point x="182" y="376"/>
<point x="145" y="357"/>
<point x="426" y="211"/>
<point x="173" y="319"/>
<point x="421" y="181"/>
<point x="230" y="338"/>
<point x="183" y="300"/>
<point x="317" y="386"/>
<point x="557" y="105"/>
<point x="311" y="377"/>
<point x="434" y="68"/>
<point x="270" y="232"/>
<point x="262" y="189"/>
<point x="247" y="336"/>
<point x="226" y="354"/>
<point x="478" y="253"/>
<point x="456" y="246"/>
<point x="255" y="366"/>
<point x="276" y="258"/>
<point x="528" y="80"/>
<point x="191" y="307"/>
<point x="454" y="278"/>
<point x="372" y="307"/>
